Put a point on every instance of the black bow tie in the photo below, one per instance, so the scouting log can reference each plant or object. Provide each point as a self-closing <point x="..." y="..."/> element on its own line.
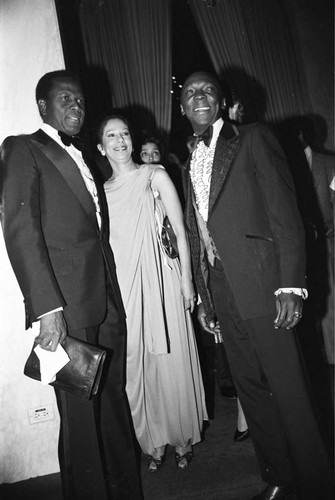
<point x="74" y="140"/>
<point x="206" y="136"/>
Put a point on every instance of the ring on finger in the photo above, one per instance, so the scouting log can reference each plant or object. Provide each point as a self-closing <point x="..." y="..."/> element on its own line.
<point x="297" y="314"/>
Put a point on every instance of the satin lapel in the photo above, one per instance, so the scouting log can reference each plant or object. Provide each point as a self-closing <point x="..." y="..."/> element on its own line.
<point x="68" y="169"/>
<point x="225" y="153"/>
<point x="188" y="211"/>
<point x="101" y="195"/>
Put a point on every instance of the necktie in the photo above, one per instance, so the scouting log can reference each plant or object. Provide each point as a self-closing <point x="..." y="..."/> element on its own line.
<point x="74" y="140"/>
<point x="206" y="136"/>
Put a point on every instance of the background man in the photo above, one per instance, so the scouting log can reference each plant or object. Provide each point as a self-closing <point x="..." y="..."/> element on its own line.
<point x="55" y="227"/>
<point x="322" y="168"/>
<point x="247" y="244"/>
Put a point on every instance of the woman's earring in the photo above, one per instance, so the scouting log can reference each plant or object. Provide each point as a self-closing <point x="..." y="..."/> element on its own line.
<point x="103" y="153"/>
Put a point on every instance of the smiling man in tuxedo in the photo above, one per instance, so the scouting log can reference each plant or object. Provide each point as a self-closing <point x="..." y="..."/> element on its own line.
<point x="247" y="246"/>
<point x="55" y="225"/>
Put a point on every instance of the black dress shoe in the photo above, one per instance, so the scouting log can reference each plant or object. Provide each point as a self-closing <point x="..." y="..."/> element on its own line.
<point x="276" y="493"/>
<point x="241" y="436"/>
<point x="228" y="392"/>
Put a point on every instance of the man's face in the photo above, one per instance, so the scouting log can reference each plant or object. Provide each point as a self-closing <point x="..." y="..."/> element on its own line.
<point x="201" y="100"/>
<point x="64" y="109"/>
<point x="236" y="112"/>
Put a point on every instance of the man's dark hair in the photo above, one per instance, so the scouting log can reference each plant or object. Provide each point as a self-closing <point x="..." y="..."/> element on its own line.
<point x="46" y="83"/>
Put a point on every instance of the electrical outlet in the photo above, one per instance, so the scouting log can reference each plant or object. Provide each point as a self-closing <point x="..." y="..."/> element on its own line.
<point x="41" y="414"/>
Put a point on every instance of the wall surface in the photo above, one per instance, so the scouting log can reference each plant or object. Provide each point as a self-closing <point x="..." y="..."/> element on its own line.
<point x="29" y="47"/>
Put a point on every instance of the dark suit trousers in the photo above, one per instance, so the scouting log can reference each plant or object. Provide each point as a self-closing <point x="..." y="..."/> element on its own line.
<point x="271" y="384"/>
<point x="223" y="374"/>
<point x="97" y="446"/>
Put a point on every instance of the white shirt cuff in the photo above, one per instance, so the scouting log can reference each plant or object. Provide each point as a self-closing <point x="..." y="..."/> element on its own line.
<point x="49" y="312"/>
<point x="298" y="291"/>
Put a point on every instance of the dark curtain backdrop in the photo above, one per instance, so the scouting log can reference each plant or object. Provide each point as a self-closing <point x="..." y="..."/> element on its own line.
<point x="251" y="43"/>
<point x="128" y="53"/>
<point x="277" y="54"/>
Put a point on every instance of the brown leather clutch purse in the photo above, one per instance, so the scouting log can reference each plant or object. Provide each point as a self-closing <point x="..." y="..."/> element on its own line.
<point x="81" y="376"/>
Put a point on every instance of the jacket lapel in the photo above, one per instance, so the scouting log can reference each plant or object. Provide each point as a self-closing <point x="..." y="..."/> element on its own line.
<point x="68" y="169"/>
<point x="225" y="153"/>
<point x="188" y="199"/>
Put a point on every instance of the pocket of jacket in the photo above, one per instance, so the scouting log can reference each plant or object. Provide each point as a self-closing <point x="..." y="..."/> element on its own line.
<point x="256" y="237"/>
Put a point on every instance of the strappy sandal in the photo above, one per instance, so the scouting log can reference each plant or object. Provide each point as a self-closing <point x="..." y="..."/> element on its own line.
<point x="183" y="461"/>
<point x="155" y="463"/>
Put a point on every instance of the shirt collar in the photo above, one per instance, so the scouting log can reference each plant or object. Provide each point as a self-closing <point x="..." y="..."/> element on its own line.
<point x="217" y="126"/>
<point x="52" y="132"/>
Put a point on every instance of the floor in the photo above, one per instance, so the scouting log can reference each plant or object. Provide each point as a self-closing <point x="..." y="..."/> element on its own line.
<point x="221" y="469"/>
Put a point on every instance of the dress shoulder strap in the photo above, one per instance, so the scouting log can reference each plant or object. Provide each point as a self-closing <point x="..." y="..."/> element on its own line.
<point x="154" y="168"/>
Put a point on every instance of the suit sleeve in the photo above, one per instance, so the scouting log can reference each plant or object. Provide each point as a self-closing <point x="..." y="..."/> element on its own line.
<point x="279" y="198"/>
<point x="21" y="220"/>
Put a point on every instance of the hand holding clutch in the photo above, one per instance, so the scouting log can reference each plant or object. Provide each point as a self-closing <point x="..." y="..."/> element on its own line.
<point x="81" y="375"/>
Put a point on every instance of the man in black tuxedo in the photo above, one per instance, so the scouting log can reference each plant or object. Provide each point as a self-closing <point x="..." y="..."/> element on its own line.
<point x="247" y="246"/>
<point x="55" y="224"/>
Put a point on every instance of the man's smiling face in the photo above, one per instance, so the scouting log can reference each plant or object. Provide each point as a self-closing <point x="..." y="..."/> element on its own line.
<point x="64" y="109"/>
<point x="201" y="100"/>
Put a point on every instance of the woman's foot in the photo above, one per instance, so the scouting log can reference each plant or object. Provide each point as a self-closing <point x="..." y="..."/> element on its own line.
<point x="241" y="435"/>
<point x="242" y="431"/>
<point x="184" y="460"/>
<point x="155" y="463"/>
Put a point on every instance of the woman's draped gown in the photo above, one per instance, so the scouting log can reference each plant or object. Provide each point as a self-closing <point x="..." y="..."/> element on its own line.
<point x="164" y="383"/>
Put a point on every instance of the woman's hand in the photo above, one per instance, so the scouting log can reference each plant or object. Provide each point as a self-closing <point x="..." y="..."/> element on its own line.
<point x="187" y="291"/>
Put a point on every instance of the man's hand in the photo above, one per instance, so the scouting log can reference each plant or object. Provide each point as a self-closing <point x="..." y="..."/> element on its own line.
<point x="53" y="331"/>
<point x="289" y="310"/>
<point x="211" y="327"/>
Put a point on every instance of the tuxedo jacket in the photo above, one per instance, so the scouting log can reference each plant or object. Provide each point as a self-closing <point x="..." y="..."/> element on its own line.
<point x="252" y="218"/>
<point x="59" y="255"/>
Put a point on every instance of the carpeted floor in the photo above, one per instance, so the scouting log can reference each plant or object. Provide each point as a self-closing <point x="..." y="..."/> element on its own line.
<point x="221" y="469"/>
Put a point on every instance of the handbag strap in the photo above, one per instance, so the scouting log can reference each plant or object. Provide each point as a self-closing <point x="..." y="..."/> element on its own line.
<point x="158" y="224"/>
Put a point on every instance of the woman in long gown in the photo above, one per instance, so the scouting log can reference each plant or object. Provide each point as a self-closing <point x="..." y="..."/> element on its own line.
<point x="164" y="383"/>
<point x="151" y="151"/>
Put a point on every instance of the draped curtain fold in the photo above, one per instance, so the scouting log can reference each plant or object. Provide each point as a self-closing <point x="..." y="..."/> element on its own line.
<point x="251" y="44"/>
<point x="129" y="42"/>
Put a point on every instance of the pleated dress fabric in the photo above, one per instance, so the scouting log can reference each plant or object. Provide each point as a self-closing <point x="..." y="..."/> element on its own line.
<point x="164" y="383"/>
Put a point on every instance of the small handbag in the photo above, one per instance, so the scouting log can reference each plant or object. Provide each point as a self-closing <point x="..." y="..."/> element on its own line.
<point x="169" y="240"/>
<point x="81" y="375"/>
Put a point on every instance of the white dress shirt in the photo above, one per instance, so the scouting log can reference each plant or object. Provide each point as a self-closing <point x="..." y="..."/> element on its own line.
<point x="201" y="170"/>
